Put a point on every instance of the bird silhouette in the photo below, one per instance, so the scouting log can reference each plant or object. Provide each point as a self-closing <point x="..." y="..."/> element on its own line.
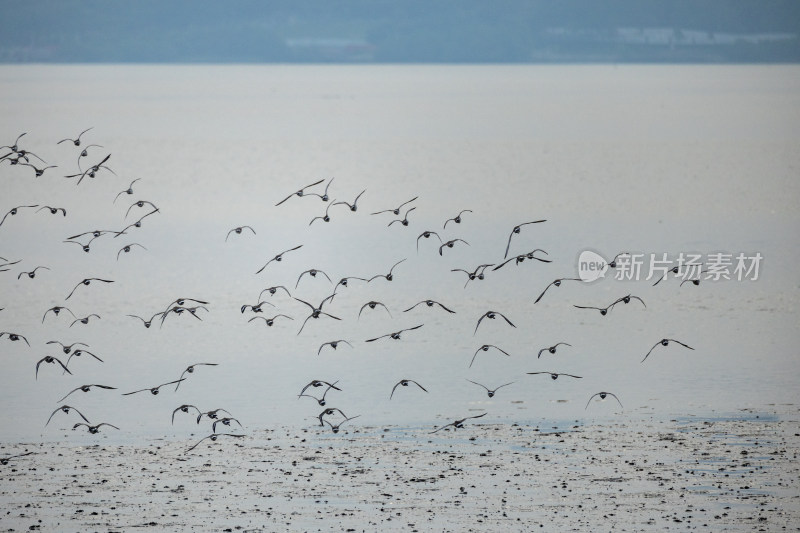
<point x="66" y="409"/>
<point x="85" y="388"/>
<point x="278" y="257"/>
<point x="665" y="342"/>
<point x="516" y="231"/>
<point x="491" y="315"/>
<point x="154" y="390"/>
<point x="299" y="192"/>
<point x="552" y="349"/>
<point x="404" y="383"/>
<point x="395" y="335"/>
<point x="458" y="424"/>
<point x="457" y="218"/>
<point x="396" y="210"/>
<point x="554" y="375"/>
<point x="602" y="396"/>
<point x="238" y="231"/>
<point x="485" y="348"/>
<point x="76" y="141"/>
<point x="190" y="370"/>
<point x="490" y="392"/>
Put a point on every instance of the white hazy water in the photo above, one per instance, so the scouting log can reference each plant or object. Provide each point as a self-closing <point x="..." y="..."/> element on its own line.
<point x="648" y="159"/>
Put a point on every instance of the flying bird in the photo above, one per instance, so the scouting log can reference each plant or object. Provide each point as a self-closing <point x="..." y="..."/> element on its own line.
<point x="270" y="321"/>
<point x="213" y="414"/>
<point x="238" y="231"/>
<point x="53" y="210"/>
<point x="87" y="281"/>
<point x="485" y="348"/>
<point x="457" y="218"/>
<point x="429" y="303"/>
<point x="388" y="276"/>
<point x="490" y="392"/>
<point x="255" y="308"/>
<point x="427" y="235"/>
<point x="140" y="203"/>
<point x="225" y="422"/>
<point x="137" y="224"/>
<point x="38" y="171"/>
<point x="320" y="401"/>
<point x="554" y="375"/>
<point x="478" y="273"/>
<point x="450" y="244"/>
<point x="404" y="383"/>
<point x="213" y="437"/>
<point x="93" y="429"/>
<point x="14" y="147"/>
<point x="153" y="390"/>
<point x="77" y="140"/>
<point x="333" y="344"/>
<point x="129" y="190"/>
<point x="14" y="337"/>
<point x="516" y="231"/>
<point x="299" y="192"/>
<point x="458" y="424"/>
<point x="329" y="411"/>
<point x="673" y="270"/>
<point x="552" y="349"/>
<point x="324" y="197"/>
<point x="313" y="273"/>
<point x="492" y="315"/>
<point x="665" y="342"/>
<point x="67" y="348"/>
<point x="278" y="257"/>
<point x="522" y="257"/>
<point x="627" y="299"/>
<point x="354" y="206"/>
<point x="127" y="248"/>
<point x="52" y="360"/>
<point x="317" y="383"/>
<point x="179" y="310"/>
<point x="147" y="323"/>
<point x="79" y="352"/>
<point x="315" y="311"/>
<point x="395" y="335"/>
<point x="325" y="218"/>
<point x="372" y="304"/>
<point x="85" y="388"/>
<point x="84" y="320"/>
<point x="86" y="247"/>
<point x="190" y="370"/>
<point x="56" y="310"/>
<point x="603" y="397"/>
<point x="14" y="210"/>
<point x="85" y="153"/>
<point x="335" y="427"/>
<point x="66" y="409"/>
<point x="404" y="220"/>
<point x="273" y="290"/>
<point x="396" y="210"/>
<point x="184" y="409"/>
<point x="556" y="283"/>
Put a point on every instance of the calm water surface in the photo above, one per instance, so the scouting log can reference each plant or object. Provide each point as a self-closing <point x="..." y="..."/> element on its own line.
<point x="635" y="158"/>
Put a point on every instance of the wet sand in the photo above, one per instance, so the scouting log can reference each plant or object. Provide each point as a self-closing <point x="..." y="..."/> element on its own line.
<point x="736" y="473"/>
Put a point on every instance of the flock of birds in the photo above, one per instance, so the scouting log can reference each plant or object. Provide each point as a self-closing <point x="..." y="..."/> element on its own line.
<point x="195" y="307"/>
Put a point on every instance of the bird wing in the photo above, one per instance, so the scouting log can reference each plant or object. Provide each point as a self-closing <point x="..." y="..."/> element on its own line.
<point x="507" y="320"/>
<point x="673" y="340"/>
